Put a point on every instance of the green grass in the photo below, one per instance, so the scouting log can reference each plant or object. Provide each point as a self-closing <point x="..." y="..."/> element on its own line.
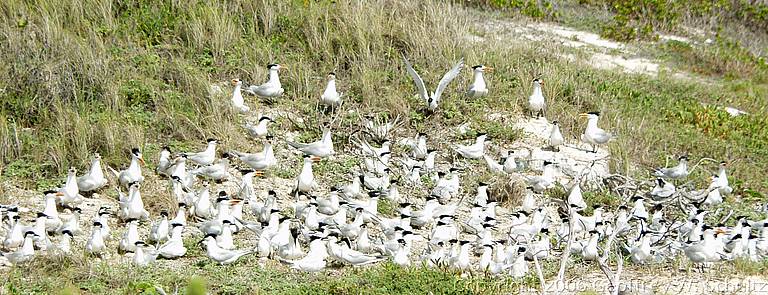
<point x="748" y="267"/>
<point x="724" y="58"/>
<point x="242" y="277"/>
<point x="139" y="74"/>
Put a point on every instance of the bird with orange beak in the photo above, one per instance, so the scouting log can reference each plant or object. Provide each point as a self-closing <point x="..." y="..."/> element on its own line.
<point x="133" y="173"/>
<point x="594" y="135"/>
<point x="478" y="88"/>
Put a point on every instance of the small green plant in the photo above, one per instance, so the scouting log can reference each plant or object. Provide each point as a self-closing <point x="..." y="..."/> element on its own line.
<point x="386" y="207"/>
<point x="196" y="286"/>
<point x="640" y="19"/>
<point x="749" y="267"/>
<point x="531" y="8"/>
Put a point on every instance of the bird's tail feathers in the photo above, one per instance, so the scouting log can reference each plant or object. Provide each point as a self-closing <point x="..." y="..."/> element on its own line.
<point x="114" y="172"/>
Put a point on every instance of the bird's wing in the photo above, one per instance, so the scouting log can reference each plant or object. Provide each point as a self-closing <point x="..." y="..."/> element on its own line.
<point x="298" y="145"/>
<point x="417" y="79"/>
<point x="252" y="89"/>
<point x="448" y="77"/>
<point x="601" y="137"/>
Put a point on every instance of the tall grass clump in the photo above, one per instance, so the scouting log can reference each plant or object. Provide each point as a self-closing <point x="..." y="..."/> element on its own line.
<point x="104" y="76"/>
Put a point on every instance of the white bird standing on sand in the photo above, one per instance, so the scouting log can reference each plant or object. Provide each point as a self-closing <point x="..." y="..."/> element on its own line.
<point x="721" y="181"/>
<point x="344" y="254"/>
<point x="53" y="222"/>
<point x="321" y="148"/>
<point x="272" y="88"/>
<point x="133" y="206"/>
<point x="638" y="210"/>
<point x="259" y="161"/>
<point x="545" y="180"/>
<point x="178" y="171"/>
<point x="555" y="137"/>
<point x="260" y="129"/>
<point x="23" y="254"/>
<point x="576" y="199"/>
<point x="709" y="249"/>
<point x="181" y="215"/>
<point x="662" y="190"/>
<point x="164" y="164"/>
<point x="160" y="229"/>
<point x="133" y="173"/>
<point x="144" y="255"/>
<point x="536" y="102"/>
<point x="94" y="179"/>
<point x="331" y="97"/>
<point x="510" y="162"/>
<point x="207" y="156"/>
<point x="677" y="172"/>
<point x="95" y="245"/>
<point x="417" y="145"/>
<point x="130" y="237"/>
<point x="70" y="192"/>
<point x="305" y="182"/>
<point x="103" y="218"/>
<point x="237" y="97"/>
<point x="474" y="151"/>
<point x="221" y="256"/>
<point x="315" y="260"/>
<point x="65" y="243"/>
<point x="594" y="135"/>
<point x="434" y="99"/>
<point x="219" y="171"/>
<point x="493" y="165"/>
<point x="174" y="247"/>
<point x="478" y="88"/>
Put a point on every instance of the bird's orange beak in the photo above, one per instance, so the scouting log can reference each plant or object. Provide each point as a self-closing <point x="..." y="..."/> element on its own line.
<point x="259" y="173"/>
<point x="583" y="115"/>
<point x="141" y="160"/>
<point x="489" y="69"/>
<point x="315" y="159"/>
<point x="719" y="231"/>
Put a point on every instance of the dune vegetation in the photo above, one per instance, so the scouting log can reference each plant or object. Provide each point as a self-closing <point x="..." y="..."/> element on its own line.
<point x="85" y="76"/>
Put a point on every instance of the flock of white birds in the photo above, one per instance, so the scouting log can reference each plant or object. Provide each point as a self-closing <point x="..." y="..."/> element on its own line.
<point x="441" y="223"/>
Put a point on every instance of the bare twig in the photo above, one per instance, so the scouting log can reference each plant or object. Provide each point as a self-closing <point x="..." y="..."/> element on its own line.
<point x="619" y="268"/>
<point x="540" y="274"/>
<point x="728" y="216"/>
<point x="567" y="249"/>
<point x="603" y="263"/>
